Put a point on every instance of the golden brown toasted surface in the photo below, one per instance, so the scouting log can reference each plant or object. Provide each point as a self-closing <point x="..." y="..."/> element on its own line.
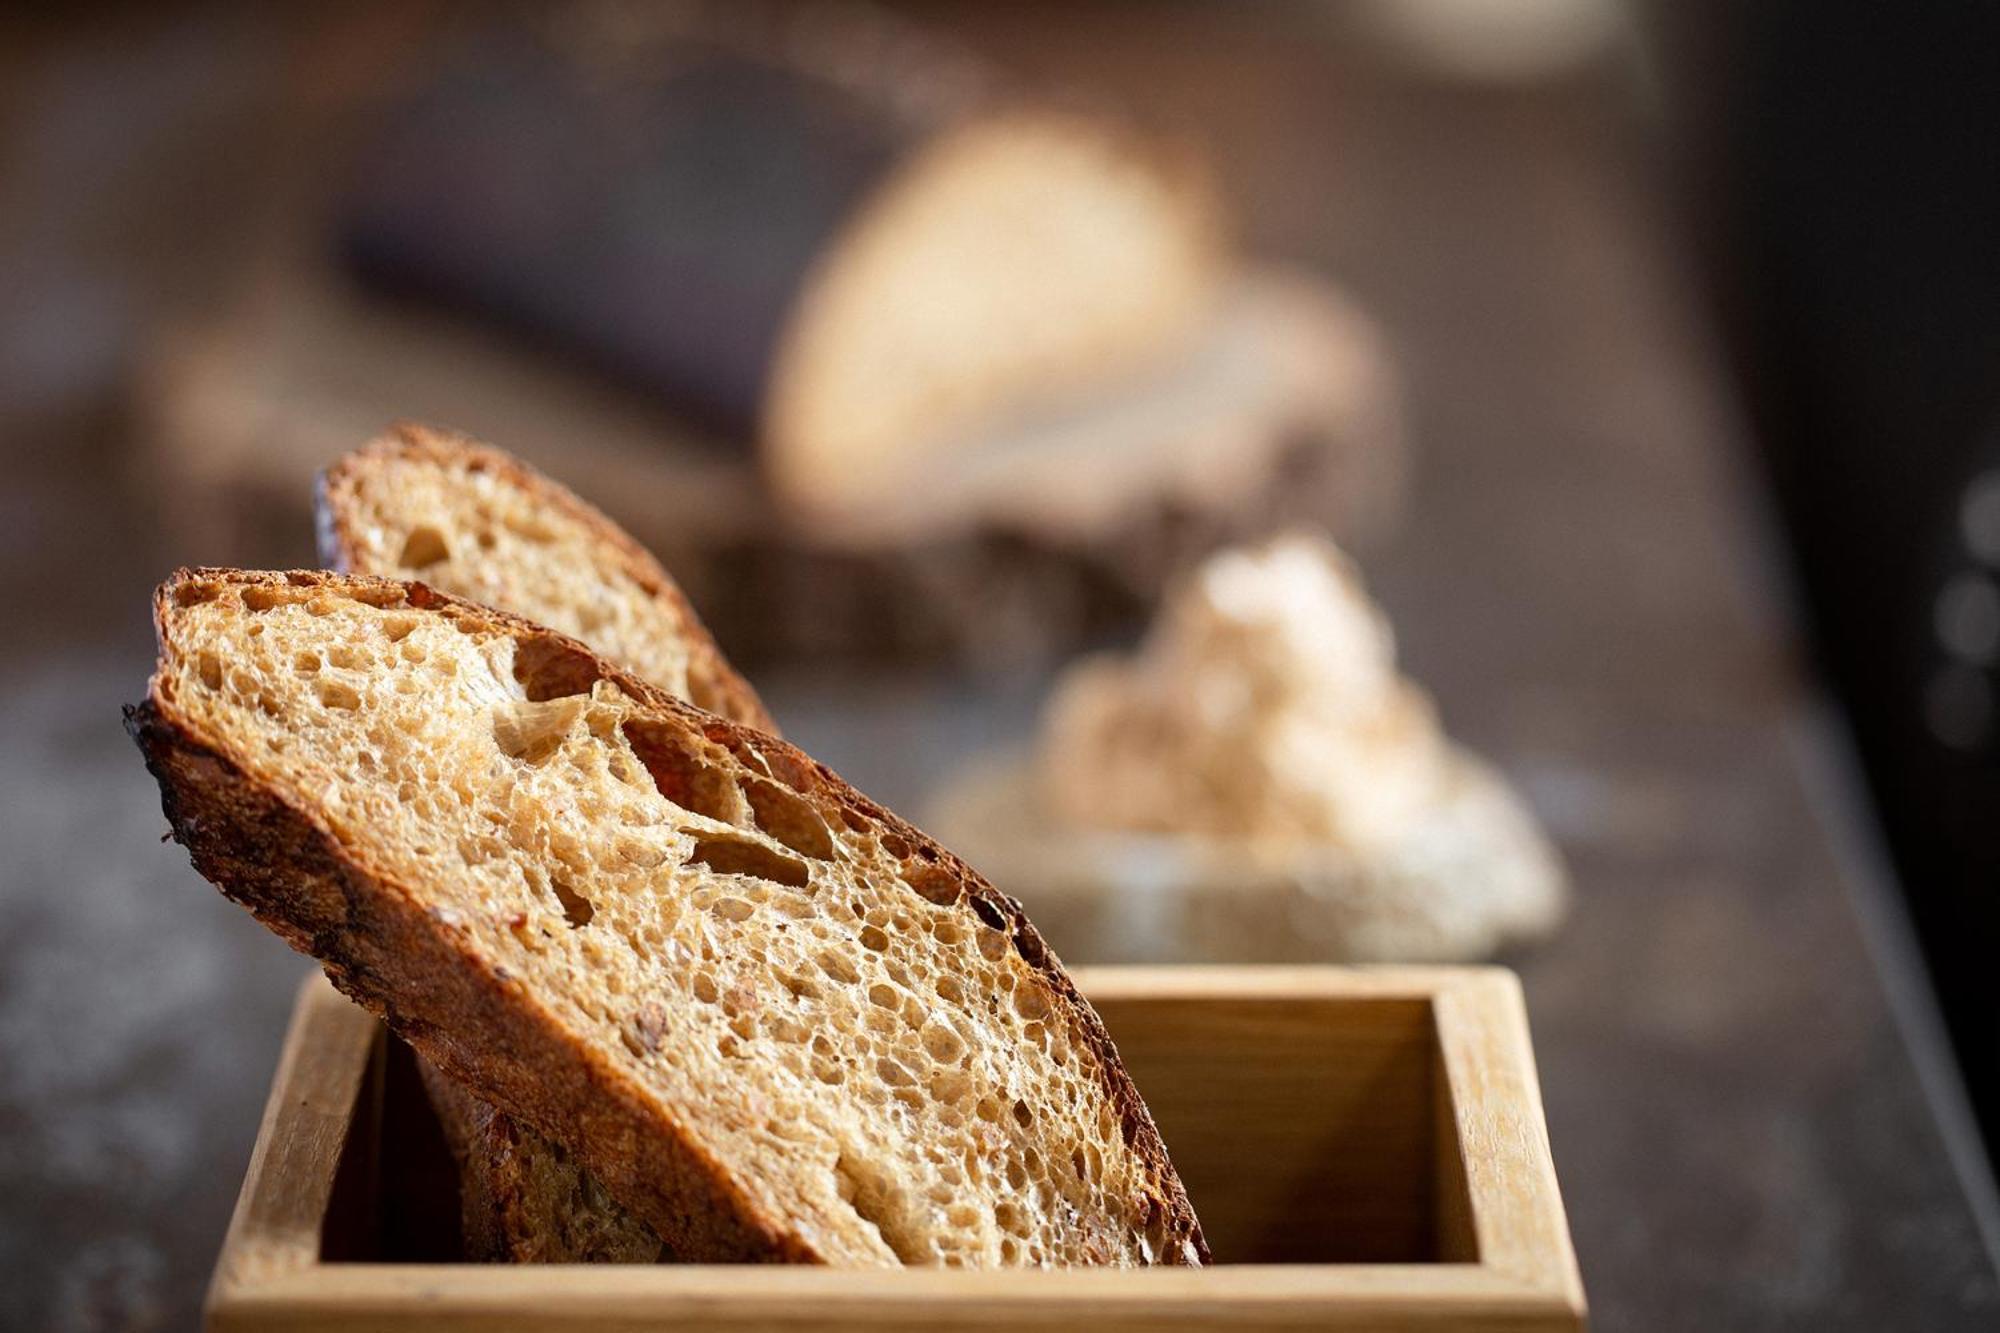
<point x="468" y="519"/>
<point x="775" y="1020"/>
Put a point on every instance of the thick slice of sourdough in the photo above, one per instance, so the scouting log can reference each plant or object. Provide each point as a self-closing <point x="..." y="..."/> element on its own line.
<point x="427" y="504"/>
<point x="481" y="523"/>
<point x="775" y="1020"/>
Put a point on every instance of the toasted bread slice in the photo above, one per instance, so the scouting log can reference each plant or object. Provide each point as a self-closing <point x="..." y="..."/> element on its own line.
<point x="774" y="1019"/>
<point x="475" y="521"/>
<point x="426" y="504"/>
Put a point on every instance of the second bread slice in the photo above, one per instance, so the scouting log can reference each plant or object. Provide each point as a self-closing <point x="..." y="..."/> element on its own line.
<point x="472" y="520"/>
<point x="774" y="1019"/>
<point x="423" y="503"/>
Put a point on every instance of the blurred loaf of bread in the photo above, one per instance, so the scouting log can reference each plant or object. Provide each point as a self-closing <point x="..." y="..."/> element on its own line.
<point x="887" y="356"/>
<point x="821" y="231"/>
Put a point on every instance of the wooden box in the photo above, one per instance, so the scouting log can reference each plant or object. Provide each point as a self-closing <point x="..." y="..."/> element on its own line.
<point x="1365" y="1147"/>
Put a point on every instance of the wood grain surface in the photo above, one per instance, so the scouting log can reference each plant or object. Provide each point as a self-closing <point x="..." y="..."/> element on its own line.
<point x="1368" y="1146"/>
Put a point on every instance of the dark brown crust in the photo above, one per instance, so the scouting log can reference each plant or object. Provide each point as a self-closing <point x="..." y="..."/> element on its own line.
<point x="468" y="1124"/>
<point x="473" y="1022"/>
<point x="521" y="1200"/>
<point x="712" y="683"/>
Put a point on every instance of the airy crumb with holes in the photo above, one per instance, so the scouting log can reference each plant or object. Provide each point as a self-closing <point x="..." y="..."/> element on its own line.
<point x="475" y="521"/>
<point x="742" y="994"/>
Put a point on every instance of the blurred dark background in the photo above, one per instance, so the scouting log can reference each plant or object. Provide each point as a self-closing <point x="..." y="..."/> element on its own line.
<point x="1843" y="197"/>
<point x="1693" y="315"/>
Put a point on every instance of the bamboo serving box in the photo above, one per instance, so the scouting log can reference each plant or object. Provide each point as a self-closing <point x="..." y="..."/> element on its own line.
<point x="1365" y="1147"/>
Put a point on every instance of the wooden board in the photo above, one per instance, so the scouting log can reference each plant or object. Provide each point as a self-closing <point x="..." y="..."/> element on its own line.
<point x="1365" y="1146"/>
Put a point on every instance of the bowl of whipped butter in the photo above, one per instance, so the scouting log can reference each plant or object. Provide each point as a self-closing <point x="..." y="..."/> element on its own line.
<point x="1257" y="782"/>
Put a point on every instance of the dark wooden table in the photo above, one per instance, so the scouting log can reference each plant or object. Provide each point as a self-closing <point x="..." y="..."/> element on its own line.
<point x="1585" y="581"/>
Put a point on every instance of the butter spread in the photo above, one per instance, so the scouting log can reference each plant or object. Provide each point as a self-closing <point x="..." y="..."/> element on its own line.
<point x="1263" y="704"/>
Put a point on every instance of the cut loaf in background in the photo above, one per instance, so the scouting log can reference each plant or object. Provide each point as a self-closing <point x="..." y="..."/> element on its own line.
<point x="836" y="238"/>
<point x="888" y="357"/>
<point x="775" y="1020"/>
